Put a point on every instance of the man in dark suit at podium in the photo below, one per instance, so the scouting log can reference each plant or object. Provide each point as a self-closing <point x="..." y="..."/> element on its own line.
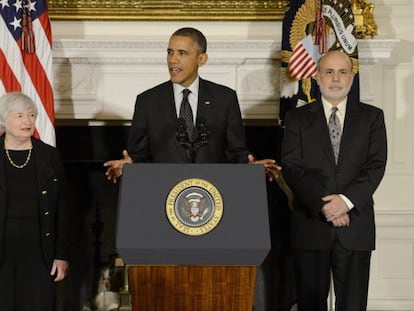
<point x="162" y="131"/>
<point x="210" y="130"/>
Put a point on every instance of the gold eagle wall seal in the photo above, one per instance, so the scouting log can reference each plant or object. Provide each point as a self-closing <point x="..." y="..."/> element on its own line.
<point x="194" y="207"/>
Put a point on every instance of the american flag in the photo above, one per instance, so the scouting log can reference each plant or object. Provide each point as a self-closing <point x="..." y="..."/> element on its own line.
<point x="26" y="58"/>
<point x="303" y="62"/>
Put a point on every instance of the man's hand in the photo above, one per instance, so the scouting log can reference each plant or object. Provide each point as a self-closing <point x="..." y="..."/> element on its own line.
<point x="271" y="168"/>
<point x="336" y="210"/>
<point x="114" y="167"/>
<point x="341" y="221"/>
<point x="60" y="268"/>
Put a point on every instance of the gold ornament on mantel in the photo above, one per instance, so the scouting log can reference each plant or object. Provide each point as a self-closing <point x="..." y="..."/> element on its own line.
<point x="365" y="24"/>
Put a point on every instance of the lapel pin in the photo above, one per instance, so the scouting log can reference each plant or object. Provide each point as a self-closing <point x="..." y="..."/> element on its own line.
<point x="207" y="102"/>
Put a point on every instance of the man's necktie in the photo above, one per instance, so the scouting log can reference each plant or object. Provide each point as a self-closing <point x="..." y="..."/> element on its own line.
<point x="335" y="132"/>
<point x="187" y="114"/>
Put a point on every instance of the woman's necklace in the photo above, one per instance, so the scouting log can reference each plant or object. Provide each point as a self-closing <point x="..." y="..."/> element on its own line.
<point x="11" y="161"/>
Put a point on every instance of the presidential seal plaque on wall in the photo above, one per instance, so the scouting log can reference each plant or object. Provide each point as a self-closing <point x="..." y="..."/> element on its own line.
<point x="194" y="207"/>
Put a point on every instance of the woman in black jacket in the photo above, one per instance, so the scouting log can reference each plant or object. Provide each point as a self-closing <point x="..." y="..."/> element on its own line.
<point x="34" y="222"/>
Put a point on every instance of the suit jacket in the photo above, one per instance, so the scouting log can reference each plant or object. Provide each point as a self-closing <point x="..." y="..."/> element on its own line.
<point x="53" y="212"/>
<point x="310" y="170"/>
<point x="152" y="135"/>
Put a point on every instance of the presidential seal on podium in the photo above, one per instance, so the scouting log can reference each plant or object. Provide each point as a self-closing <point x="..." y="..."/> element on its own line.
<point x="194" y="207"/>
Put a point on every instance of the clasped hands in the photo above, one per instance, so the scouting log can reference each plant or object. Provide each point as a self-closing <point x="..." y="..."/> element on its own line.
<point x="335" y="210"/>
<point x="115" y="167"/>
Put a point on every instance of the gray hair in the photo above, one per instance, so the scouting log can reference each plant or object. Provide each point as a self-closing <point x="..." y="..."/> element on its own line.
<point x="14" y="101"/>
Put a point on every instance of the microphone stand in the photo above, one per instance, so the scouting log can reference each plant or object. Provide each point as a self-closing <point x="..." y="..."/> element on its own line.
<point x="192" y="147"/>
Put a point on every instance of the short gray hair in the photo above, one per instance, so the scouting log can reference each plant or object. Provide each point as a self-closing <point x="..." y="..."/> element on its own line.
<point x="14" y="101"/>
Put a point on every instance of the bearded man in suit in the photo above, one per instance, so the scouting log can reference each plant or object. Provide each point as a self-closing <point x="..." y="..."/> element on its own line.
<point x="153" y="134"/>
<point x="333" y="228"/>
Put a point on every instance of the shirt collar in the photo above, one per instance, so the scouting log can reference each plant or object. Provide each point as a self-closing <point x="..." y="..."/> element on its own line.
<point x="327" y="106"/>
<point x="193" y="87"/>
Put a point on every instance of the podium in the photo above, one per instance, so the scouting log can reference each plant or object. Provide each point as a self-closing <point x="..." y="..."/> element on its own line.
<point x="192" y="235"/>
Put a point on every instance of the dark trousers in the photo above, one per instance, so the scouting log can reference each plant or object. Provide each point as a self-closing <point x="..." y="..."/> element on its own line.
<point x="350" y="273"/>
<point x="25" y="282"/>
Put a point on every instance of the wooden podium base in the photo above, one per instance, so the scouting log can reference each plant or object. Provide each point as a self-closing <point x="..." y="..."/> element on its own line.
<point x="192" y="288"/>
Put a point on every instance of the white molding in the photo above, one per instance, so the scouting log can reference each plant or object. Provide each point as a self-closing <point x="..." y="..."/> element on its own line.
<point x="86" y="67"/>
<point x="374" y="50"/>
<point x="394" y="218"/>
<point x="104" y="50"/>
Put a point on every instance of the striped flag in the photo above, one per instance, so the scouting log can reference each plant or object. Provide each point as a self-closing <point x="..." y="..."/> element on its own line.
<point x="310" y="28"/>
<point x="26" y="58"/>
<point x="304" y="58"/>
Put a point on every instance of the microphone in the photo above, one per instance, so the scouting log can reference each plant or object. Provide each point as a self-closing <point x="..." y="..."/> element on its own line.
<point x="181" y="133"/>
<point x="182" y="137"/>
<point x="202" y="130"/>
<point x="202" y="135"/>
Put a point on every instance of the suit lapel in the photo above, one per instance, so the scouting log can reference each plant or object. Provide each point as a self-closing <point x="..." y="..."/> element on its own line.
<point x="3" y="192"/>
<point x="206" y="106"/>
<point x="206" y="103"/>
<point x="166" y="103"/>
<point x="349" y="129"/>
<point x="43" y="160"/>
<point x="320" y="127"/>
<point x="3" y="188"/>
<point x="168" y="113"/>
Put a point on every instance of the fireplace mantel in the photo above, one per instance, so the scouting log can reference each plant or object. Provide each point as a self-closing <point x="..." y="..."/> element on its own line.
<point x="98" y="79"/>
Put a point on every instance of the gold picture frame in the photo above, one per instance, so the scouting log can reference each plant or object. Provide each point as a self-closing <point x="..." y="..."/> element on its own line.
<point x="166" y="10"/>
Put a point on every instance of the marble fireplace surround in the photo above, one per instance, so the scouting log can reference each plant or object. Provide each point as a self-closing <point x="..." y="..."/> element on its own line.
<point x="98" y="79"/>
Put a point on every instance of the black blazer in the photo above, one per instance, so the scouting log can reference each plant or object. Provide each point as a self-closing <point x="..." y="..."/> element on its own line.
<point x="310" y="171"/>
<point x="152" y="135"/>
<point x="53" y="210"/>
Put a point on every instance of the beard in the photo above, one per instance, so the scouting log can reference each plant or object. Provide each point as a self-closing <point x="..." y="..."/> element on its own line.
<point x="338" y="93"/>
